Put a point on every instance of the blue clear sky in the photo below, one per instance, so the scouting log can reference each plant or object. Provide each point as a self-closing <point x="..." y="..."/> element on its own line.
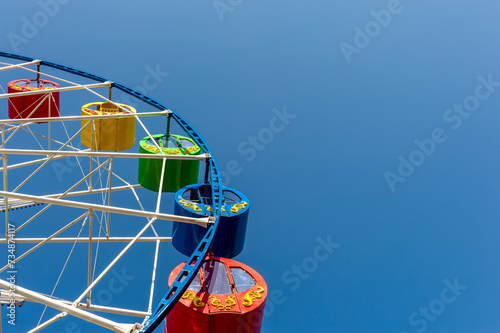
<point x="369" y="125"/>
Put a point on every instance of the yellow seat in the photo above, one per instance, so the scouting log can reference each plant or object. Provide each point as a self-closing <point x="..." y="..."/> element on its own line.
<point x="114" y="134"/>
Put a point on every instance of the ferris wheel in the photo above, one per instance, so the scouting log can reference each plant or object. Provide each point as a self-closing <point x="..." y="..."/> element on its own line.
<point x="86" y="181"/>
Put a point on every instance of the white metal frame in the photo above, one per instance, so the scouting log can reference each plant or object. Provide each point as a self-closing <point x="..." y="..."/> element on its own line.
<point x="13" y="199"/>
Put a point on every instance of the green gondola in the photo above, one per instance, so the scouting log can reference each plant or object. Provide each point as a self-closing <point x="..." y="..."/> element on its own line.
<point x="178" y="173"/>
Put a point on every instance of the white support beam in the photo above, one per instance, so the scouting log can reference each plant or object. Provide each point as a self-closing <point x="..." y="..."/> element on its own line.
<point x="16" y="203"/>
<point x="201" y="157"/>
<point x="14" y="127"/>
<point x="8" y="295"/>
<point x="24" y="64"/>
<point x="33" y="162"/>
<point x="203" y="221"/>
<point x="53" y="90"/>
<point x="76" y="118"/>
<point x="155" y="263"/>
<point x="86" y="240"/>
<point x="48" y="322"/>
<point x="89" y="270"/>
<point x="61" y="306"/>
<point x="109" y="309"/>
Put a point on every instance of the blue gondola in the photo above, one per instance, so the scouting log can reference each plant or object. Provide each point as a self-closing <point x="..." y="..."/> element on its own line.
<point x="196" y="201"/>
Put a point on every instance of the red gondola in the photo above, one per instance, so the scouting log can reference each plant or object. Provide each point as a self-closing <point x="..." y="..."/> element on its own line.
<point x="40" y="105"/>
<point x="226" y="296"/>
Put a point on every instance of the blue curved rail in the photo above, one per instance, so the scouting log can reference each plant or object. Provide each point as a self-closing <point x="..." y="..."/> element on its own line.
<point x="188" y="272"/>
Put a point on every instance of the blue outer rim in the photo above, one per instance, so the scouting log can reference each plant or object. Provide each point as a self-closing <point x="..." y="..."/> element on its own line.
<point x="188" y="272"/>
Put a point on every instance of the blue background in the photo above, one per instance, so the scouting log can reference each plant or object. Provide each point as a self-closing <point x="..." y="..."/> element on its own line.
<point x="353" y="117"/>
